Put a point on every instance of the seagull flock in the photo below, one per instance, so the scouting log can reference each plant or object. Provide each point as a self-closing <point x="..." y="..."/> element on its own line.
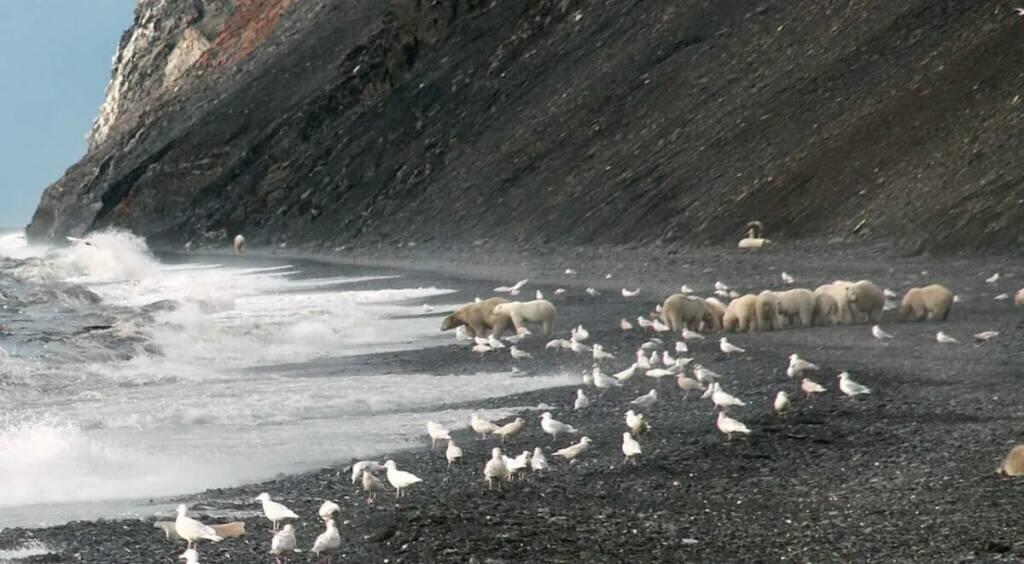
<point x="654" y="359"/>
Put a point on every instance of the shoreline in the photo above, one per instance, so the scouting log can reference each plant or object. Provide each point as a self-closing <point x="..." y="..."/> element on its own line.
<point x="836" y="480"/>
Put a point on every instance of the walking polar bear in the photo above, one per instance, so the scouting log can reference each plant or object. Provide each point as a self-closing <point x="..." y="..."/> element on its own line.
<point x="766" y="314"/>
<point x="479" y="318"/>
<point x="714" y="312"/>
<point x="795" y="304"/>
<point x="930" y="302"/>
<point x="536" y="311"/>
<point x="865" y="300"/>
<point x="740" y="314"/>
<point x="837" y="291"/>
<point x="826" y="310"/>
<point x="680" y="311"/>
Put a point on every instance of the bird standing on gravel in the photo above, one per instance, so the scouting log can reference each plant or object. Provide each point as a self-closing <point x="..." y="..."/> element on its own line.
<point x="811" y="387"/>
<point x="879" y="334"/>
<point x="986" y="336"/>
<point x="691" y="335"/>
<point x="630" y="447"/>
<point x="787" y="279"/>
<point x="192" y="530"/>
<point x="509" y="429"/>
<point x="399" y="479"/>
<point x="275" y="511"/>
<point x="554" y="427"/>
<point x="453" y="453"/>
<point x="372" y="485"/>
<point x="283" y="543"/>
<point x="437" y="432"/>
<point x="851" y="388"/>
<point x="636" y="423"/>
<point x="600" y="354"/>
<point x="625" y="325"/>
<point x="626" y="374"/>
<point x="190" y="556"/>
<point x="582" y="401"/>
<point x="571" y="453"/>
<point x="728" y="348"/>
<point x="781" y="404"/>
<point x="646" y="400"/>
<point x="945" y="339"/>
<point x="630" y="293"/>
<point x="538" y="463"/>
<point x="724" y="400"/>
<point x="797" y="366"/>
<point x="730" y="426"/>
<point x="481" y="426"/>
<point x="518" y="354"/>
<point x="364" y="465"/>
<point x="327" y="542"/>
<point x="687" y="385"/>
<point x="495" y="469"/>
<point x="328" y="510"/>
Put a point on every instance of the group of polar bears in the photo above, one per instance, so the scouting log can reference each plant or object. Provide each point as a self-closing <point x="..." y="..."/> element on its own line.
<point x="841" y="302"/>
<point x="492" y="316"/>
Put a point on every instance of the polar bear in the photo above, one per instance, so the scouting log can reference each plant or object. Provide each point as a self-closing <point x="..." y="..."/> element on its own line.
<point x="767" y="311"/>
<point x="740" y="314"/>
<point x="1018" y="298"/>
<point x="680" y="311"/>
<point x="931" y="302"/>
<point x="536" y="311"/>
<point x="865" y="300"/>
<point x="797" y="303"/>
<point x="479" y="318"/>
<point x="714" y="311"/>
<point x="239" y="244"/>
<point x="837" y="290"/>
<point x="1013" y="464"/>
<point x="826" y="310"/>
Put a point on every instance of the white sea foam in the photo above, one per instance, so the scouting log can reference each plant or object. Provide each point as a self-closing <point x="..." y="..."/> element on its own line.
<point x="24" y="551"/>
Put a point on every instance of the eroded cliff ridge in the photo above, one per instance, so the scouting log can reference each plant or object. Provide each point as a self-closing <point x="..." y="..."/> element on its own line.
<point x="325" y="122"/>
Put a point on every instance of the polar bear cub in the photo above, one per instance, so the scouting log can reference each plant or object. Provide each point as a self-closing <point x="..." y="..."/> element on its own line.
<point x="536" y="311"/>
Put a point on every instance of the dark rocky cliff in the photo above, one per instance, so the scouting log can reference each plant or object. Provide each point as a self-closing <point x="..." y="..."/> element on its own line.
<point x="550" y="121"/>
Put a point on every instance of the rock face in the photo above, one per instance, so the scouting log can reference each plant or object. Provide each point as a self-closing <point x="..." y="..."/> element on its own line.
<point x="550" y="121"/>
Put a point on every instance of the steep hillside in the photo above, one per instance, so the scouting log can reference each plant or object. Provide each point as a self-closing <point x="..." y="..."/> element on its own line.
<point x="550" y="121"/>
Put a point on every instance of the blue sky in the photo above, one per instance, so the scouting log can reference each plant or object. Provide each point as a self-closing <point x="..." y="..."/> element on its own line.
<point x="54" y="66"/>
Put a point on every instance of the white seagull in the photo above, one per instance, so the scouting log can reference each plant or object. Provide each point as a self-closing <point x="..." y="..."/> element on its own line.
<point x="328" y="541"/>
<point x="372" y="485"/>
<point x="626" y="374"/>
<point x="539" y="295"/>
<point x="889" y="293"/>
<point x="572" y="452"/>
<point x="692" y="335"/>
<point x="398" y="478"/>
<point x="509" y="429"/>
<point x="603" y="381"/>
<point x="593" y="292"/>
<point x="724" y="400"/>
<point x="538" y="463"/>
<point x="519" y="354"/>
<point x="681" y="347"/>
<point x="851" y="388"/>
<point x="600" y="354"/>
<point x="660" y="327"/>
<point x="582" y="401"/>
<point x="729" y="426"/>
<point x="687" y="385"/>
<point x="514" y="465"/>
<point x="705" y="375"/>
<point x="481" y="426"/>
<point x="494" y="343"/>
<point x="328" y="509"/>
<point x="495" y="469"/>
<point x="811" y="387"/>
<point x="798" y="366"/>
<point x="437" y="432"/>
<point x="554" y="427"/>
<point x="684" y="289"/>
<point x="646" y="400"/>
<point x="453" y="453"/>
<point x="630" y="447"/>
<point x="559" y="291"/>
<point x="190" y="556"/>
<point x="787" y="279"/>
<point x="359" y="467"/>
<point x="994" y="278"/>
<point x="986" y="335"/>
<point x="275" y="511"/>
<point x="945" y="339"/>
<point x="728" y="348"/>
<point x="720" y="286"/>
<point x="579" y="333"/>
<point x="625" y="325"/>
<point x="659" y="372"/>
<point x="630" y="293"/>
<point x="879" y="333"/>
<point x="283" y="542"/>
<point x="781" y="404"/>
<point x="192" y="530"/>
<point x="636" y="423"/>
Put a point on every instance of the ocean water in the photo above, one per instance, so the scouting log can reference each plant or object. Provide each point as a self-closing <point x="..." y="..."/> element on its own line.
<point x="126" y="379"/>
